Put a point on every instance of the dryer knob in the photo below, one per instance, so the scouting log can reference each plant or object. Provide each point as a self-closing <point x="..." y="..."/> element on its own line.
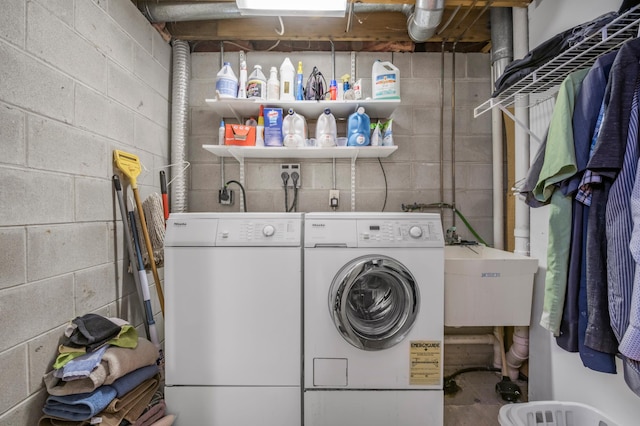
<point x="268" y="230"/>
<point x="415" y="232"/>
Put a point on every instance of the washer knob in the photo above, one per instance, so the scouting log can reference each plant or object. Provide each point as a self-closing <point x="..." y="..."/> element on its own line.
<point x="415" y="232"/>
<point x="268" y="230"/>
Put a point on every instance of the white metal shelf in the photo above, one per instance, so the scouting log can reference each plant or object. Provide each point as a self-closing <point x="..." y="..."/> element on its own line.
<point x="239" y="108"/>
<point x="353" y="152"/>
<point x="543" y="83"/>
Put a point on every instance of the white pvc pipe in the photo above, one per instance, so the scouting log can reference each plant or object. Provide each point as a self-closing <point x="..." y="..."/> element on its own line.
<point x="519" y="351"/>
<point x="477" y="339"/>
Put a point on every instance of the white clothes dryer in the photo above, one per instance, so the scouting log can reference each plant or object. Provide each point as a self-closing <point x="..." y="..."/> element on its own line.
<point x="373" y="319"/>
<point x="233" y="321"/>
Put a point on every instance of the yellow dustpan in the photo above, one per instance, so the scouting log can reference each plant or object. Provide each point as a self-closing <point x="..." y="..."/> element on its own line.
<point x="129" y="165"/>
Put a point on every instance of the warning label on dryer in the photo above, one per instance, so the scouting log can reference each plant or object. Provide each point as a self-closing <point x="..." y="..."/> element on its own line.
<point x="425" y="358"/>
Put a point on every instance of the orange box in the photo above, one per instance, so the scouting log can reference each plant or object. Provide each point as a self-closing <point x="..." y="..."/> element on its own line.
<point x="239" y="134"/>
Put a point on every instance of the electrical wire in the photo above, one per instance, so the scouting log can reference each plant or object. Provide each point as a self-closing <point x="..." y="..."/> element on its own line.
<point x="244" y="196"/>
<point x="386" y="186"/>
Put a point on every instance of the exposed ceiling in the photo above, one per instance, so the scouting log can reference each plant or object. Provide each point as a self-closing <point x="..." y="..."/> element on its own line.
<point x="464" y="23"/>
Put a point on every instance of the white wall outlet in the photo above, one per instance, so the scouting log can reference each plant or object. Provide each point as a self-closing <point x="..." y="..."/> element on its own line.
<point x="290" y="169"/>
<point x="334" y="198"/>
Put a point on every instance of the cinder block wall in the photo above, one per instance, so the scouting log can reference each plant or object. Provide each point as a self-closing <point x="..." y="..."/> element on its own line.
<point x="78" y="78"/>
<point x="412" y="172"/>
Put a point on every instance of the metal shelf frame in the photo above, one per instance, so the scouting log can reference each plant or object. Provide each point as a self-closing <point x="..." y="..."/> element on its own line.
<point x="544" y="83"/>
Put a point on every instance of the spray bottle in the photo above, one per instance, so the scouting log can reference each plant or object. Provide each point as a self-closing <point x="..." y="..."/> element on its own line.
<point x="260" y="128"/>
<point x="221" y="131"/>
<point x="299" y="83"/>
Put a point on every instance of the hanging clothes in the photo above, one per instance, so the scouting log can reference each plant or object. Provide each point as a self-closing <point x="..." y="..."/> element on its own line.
<point x="559" y="165"/>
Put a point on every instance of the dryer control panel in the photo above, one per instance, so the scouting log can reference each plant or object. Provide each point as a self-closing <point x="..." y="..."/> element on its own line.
<point x="259" y="232"/>
<point x="399" y="233"/>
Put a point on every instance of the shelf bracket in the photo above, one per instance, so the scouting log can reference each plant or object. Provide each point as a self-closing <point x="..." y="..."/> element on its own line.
<point x="353" y="183"/>
<point x="519" y="123"/>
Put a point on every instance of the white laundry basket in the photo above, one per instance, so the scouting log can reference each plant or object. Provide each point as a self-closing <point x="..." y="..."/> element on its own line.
<point x="552" y="413"/>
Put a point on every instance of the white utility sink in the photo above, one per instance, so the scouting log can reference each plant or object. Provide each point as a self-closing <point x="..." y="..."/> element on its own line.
<point x="484" y="286"/>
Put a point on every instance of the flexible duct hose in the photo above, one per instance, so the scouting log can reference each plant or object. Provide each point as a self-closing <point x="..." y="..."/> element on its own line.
<point x="179" y="114"/>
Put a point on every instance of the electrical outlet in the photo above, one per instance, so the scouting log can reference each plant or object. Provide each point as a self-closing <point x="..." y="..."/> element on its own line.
<point x="290" y="169"/>
<point x="225" y="196"/>
<point x="334" y="198"/>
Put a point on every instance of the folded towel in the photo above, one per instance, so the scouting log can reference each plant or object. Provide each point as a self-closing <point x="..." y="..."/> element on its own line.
<point x="80" y="406"/>
<point x="165" y="421"/>
<point x="90" y="331"/>
<point x="56" y="421"/>
<point x="116" y="362"/>
<point x="81" y="367"/>
<point x="153" y="414"/>
<point x="131" y="406"/>
<point x="129" y="381"/>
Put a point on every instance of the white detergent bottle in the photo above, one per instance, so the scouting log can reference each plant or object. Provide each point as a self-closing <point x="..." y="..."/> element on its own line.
<point x="273" y="85"/>
<point x="385" y="80"/>
<point x="287" y="80"/>
<point x="226" y="82"/>
<point x="326" y="129"/>
<point x="294" y="130"/>
<point x="257" y="84"/>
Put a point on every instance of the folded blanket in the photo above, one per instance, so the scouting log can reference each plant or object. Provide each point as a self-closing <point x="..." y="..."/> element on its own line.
<point x="90" y="331"/>
<point x="131" y="405"/>
<point x="80" y="406"/>
<point x="81" y="367"/>
<point x="129" y="381"/>
<point x="116" y="362"/>
<point x="153" y="414"/>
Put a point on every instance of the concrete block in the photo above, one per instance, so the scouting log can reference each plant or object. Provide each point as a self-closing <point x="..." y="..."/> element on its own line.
<point x="201" y="90"/>
<point x="51" y="142"/>
<point x="474" y="176"/>
<point x="134" y="93"/>
<point x="12" y="140"/>
<point x="205" y="65"/>
<point x="420" y="92"/>
<point x="127" y="15"/>
<point x="27" y="83"/>
<point x="97" y="113"/>
<point x="369" y="175"/>
<point x="97" y="287"/>
<point x="426" y="121"/>
<point x="94" y="24"/>
<point x="472" y="93"/>
<point x="151" y="136"/>
<point x="13" y="374"/>
<point x="60" y="249"/>
<point x="161" y="50"/>
<point x="479" y="65"/>
<point x="13" y="268"/>
<point x="30" y="197"/>
<point x="150" y="71"/>
<point x="205" y="176"/>
<point x="429" y="65"/>
<point x="42" y="352"/>
<point x="403" y="62"/>
<point x="56" y="43"/>
<point x="32" y="309"/>
<point x="12" y="20"/>
<point x="28" y="412"/>
<point x="61" y="9"/>
<point x="474" y="148"/>
<point x="204" y="122"/>
<point x="427" y="176"/>
<point x="94" y="200"/>
<point x="473" y="203"/>
<point x="424" y="148"/>
<point x="265" y="176"/>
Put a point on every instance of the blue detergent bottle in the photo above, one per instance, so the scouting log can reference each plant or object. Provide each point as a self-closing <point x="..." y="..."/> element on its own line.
<point x="358" y="129"/>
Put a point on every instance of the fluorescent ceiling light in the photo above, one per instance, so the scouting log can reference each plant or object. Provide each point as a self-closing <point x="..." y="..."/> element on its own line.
<point x="331" y="8"/>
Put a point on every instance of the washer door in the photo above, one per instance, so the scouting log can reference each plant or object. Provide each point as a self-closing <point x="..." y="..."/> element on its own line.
<point x="374" y="301"/>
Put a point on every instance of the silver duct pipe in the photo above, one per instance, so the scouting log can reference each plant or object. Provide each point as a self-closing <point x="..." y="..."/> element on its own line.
<point x="423" y="19"/>
<point x="179" y="113"/>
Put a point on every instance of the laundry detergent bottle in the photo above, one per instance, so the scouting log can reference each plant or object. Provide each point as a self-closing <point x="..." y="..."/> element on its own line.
<point x="294" y="130"/>
<point x="358" y="129"/>
<point x="257" y="84"/>
<point x="326" y="130"/>
<point x="226" y="82"/>
<point x="287" y="80"/>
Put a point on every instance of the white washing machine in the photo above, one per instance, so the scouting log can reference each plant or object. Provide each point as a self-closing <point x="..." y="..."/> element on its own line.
<point x="373" y="319"/>
<point x="233" y="326"/>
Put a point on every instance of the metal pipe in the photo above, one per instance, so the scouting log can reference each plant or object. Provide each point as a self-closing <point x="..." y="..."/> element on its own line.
<point x="424" y="20"/>
<point x="442" y="127"/>
<point x="179" y="115"/>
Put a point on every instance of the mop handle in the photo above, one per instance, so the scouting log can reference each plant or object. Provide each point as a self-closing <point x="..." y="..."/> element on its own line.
<point x="165" y="197"/>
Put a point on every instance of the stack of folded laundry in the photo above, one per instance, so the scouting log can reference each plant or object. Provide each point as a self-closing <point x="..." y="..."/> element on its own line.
<point x="104" y="374"/>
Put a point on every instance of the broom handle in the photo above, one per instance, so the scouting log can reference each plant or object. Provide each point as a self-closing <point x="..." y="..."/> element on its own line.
<point x="147" y="243"/>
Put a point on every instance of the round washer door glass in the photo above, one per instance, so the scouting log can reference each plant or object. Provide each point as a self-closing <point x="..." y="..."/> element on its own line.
<point x="374" y="301"/>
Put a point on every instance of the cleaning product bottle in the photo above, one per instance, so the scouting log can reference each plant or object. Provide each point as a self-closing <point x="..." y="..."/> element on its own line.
<point x="385" y="80"/>
<point x="242" y="83"/>
<point x="221" y="131"/>
<point x="358" y="128"/>
<point x="333" y="89"/>
<point x="347" y="91"/>
<point x="273" y="85"/>
<point x="294" y="130"/>
<point x="326" y="129"/>
<point x="257" y="84"/>
<point x="299" y="83"/>
<point x="287" y="77"/>
<point x="260" y="128"/>
<point x="226" y="82"/>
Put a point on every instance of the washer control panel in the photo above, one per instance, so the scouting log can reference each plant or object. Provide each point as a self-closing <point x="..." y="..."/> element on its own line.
<point x="401" y="233"/>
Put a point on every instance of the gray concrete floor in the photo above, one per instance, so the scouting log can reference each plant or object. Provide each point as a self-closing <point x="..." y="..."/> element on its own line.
<point x="477" y="403"/>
